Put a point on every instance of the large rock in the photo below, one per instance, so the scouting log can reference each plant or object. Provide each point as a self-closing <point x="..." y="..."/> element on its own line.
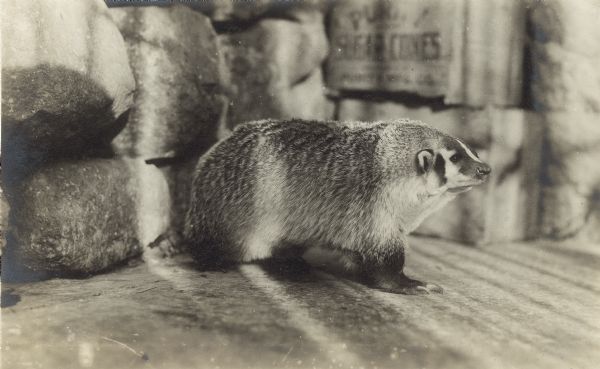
<point x="65" y="77"/>
<point x="177" y="67"/>
<point x="274" y="70"/>
<point x="488" y="49"/>
<point x="571" y="176"/>
<point x="73" y="218"/>
<point x="565" y="55"/>
<point x="565" y="90"/>
<point x="504" y="209"/>
<point x="513" y="201"/>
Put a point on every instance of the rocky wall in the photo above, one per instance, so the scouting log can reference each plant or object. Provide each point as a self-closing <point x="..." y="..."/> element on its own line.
<point x="105" y="112"/>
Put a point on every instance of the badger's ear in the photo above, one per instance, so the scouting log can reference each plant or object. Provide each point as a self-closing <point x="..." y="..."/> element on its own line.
<point x="424" y="160"/>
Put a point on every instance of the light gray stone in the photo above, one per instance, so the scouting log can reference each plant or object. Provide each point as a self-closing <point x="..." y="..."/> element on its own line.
<point x="565" y="90"/>
<point x="274" y="71"/>
<point x="65" y="76"/>
<point x="565" y="55"/>
<point x="73" y="218"/>
<point x="487" y="59"/>
<point x="571" y="176"/>
<point x="153" y="201"/>
<point x="177" y="66"/>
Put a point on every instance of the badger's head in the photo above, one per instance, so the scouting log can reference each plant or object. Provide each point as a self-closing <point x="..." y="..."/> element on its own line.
<point x="452" y="165"/>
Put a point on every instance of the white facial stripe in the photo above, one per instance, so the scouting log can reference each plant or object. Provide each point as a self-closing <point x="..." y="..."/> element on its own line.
<point x="468" y="151"/>
<point x="450" y="169"/>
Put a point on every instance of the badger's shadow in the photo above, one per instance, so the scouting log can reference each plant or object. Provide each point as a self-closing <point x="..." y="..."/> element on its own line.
<point x="312" y="266"/>
<point x="308" y="268"/>
<point x="288" y="269"/>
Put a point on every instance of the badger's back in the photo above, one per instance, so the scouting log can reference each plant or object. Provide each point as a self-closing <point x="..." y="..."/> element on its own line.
<point x="283" y="182"/>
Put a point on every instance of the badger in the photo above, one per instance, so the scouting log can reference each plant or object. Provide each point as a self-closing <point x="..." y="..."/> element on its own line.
<point x="274" y="188"/>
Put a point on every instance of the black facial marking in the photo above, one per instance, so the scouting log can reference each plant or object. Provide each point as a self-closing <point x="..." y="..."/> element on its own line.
<point x="440" y="168"/>
<point x="456" y="158"/>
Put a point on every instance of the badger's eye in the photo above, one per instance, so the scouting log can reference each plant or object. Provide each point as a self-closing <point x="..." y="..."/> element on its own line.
<point x="454" y="158"/>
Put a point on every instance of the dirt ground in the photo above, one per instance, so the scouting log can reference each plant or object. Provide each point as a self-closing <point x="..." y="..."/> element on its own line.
<point x="507" y="306"/>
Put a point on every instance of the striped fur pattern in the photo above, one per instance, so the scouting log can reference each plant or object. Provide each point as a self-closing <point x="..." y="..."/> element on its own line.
<point x="276" y="187"/>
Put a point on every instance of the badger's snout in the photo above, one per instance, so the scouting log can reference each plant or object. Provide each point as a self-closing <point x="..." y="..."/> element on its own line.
<point x="482" y="171"/>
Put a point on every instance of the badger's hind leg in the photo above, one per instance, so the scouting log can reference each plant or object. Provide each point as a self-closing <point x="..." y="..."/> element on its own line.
<point x="287" y="257"/>
<point x="383" y="268"/>
<point x="212" y="250"/>
<point x="267" y="248"/>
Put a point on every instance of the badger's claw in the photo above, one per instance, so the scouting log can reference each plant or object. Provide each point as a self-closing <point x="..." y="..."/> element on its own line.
<point x="431" y="288"/>
<point x="407" y="286"/>
<point x="412" y="289"/>
<point x="417" y="289"/>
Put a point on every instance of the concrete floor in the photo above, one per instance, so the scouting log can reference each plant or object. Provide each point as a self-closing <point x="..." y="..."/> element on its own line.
<point x="507" y="306"/>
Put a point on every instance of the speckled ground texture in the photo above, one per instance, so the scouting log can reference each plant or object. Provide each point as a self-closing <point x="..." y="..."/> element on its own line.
<point x="504" y="306"/>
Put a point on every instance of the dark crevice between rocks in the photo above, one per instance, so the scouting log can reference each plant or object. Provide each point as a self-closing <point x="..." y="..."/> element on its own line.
<point x="127" y="3"/>
<point x="234" y="25"/>
<point x="200" y="146"/>
<point x="529" y="72"/>
<point x="302" y="79"/>
<point x="237" y="25"/>
<point x="410" y="100"/>
<point x="83" y="127"/>
<point x="25" y="150"/>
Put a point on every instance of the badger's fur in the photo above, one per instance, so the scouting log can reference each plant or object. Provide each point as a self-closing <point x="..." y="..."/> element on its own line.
<point x="274" y="188"/>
